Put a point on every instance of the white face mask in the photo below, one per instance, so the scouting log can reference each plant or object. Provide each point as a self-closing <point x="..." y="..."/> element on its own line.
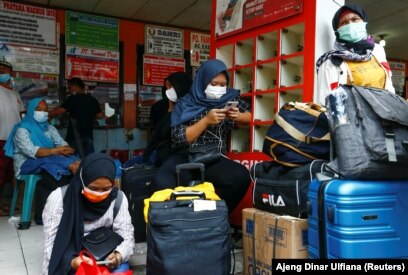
<point x="40" y="116"/>
<point x="171" y="94"/>
<point x="353" y="32"/>
<point x="215" y="92"/>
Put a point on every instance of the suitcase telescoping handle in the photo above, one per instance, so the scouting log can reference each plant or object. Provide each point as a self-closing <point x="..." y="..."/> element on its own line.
<point x="190" y="166"/>
<point x="187" y="193"/>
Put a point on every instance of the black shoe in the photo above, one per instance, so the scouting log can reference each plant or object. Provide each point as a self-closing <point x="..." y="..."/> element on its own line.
<point x="24" y="225"/>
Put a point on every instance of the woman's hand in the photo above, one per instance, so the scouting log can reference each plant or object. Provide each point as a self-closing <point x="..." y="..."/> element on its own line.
<point x="233" y="113"/>
<point x="78" y="260"/>
<point x="115" y="258"/>
<point x="65" y="150"/>
<point x="216" y="116"/>
<point x="73" y="167"/>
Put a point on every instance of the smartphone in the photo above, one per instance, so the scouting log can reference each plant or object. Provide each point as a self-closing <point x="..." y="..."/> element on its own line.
<point x="103" y="262"/>
<point x="231" y="104"/>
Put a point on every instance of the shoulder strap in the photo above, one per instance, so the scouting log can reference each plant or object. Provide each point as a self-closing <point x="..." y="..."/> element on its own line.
<point x="64" y="190"/>
<point x="118" y="203"/>
<point x="116" y="206"/>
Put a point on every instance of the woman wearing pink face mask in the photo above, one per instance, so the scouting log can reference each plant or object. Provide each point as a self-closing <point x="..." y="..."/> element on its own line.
<point x="88" y="204"/>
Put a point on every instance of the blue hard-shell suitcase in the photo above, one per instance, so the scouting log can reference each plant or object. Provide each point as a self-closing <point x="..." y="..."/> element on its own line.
<point x="358" y="219"/>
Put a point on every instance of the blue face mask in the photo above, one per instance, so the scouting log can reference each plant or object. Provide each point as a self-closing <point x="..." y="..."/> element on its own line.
<point x="40" y="116"/>
<point x="4" y="78"/>
<point x="353" y="32"/>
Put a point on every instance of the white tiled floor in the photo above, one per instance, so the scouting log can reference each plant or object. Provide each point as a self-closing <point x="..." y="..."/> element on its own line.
<point x="21" y="251"/>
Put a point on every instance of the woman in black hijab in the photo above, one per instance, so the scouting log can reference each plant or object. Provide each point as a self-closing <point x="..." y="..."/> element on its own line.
<point x="201" y="118"/>
<point x="87" y="205"/>
<point x="178" y="84"/>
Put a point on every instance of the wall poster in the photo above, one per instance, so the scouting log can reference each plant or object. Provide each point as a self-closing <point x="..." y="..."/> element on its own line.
<point x="200" y="48"/>
<point x="234" y="16"/>
<point x="28" y="59"/>
<point x="91" y="31"/>
<point x="164" y="41"/>
<point x="92" y="64"/>
<point x="157" y="68"/>
<point x="27" y="25"/>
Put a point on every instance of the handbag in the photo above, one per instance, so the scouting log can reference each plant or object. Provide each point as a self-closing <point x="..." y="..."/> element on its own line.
<point x="206" y="154"/>
<point x="95" y="269"/>
<point x="101" y="242"/>
<point x="281" y="189"/>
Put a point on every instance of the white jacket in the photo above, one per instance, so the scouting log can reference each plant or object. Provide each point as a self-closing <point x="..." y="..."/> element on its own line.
<point x="331" y="76"/>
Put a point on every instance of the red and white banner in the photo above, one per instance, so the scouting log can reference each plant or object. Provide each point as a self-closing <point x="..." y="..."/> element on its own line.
<point x="92" y="64"/>
<point x="157" y="68"/>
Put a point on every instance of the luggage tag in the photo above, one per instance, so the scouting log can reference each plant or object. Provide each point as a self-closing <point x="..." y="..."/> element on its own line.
<point x="201" y="205"/>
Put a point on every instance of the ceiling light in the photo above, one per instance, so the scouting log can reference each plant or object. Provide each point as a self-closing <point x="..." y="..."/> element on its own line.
<point x="382" y="41"/>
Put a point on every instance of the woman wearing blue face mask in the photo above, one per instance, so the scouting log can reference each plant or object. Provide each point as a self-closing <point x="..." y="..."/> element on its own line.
<point x="356" y="58"/>
<point x="200" y="118"/>
<point x="37" y="148"/>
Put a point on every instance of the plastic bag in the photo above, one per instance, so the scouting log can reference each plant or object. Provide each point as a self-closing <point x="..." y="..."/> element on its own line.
<point x="94" y="269"/>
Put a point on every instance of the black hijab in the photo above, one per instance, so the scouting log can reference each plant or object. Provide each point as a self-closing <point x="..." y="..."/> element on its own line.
<point x="69" y="237"/>
<point x="181" y="83"/>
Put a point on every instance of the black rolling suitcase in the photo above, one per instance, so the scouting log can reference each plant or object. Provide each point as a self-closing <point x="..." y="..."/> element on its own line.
<point x="187" y="236"/>
<point x="135" y="183"/>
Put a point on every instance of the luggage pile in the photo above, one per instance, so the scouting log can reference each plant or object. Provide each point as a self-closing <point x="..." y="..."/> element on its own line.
<point x="364" y="196"/>
<point x="299" y="144"/>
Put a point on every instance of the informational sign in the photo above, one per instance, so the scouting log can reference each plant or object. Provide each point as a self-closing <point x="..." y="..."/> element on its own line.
<point x="398" y="76"/>
<point x="91" y="31"/>
<point x="157" y="68"/>
<point x="30" y="85"/>
<point x="239" y="15"/>
<point x="200" y="48"/>
<point x="27" y="25"/>
<point x="164" y="41"/>
<point x="129" y="91"/>
<point x="147" y="96"/>
<point x="92" y="64"/>
<point x="26" y="59"/>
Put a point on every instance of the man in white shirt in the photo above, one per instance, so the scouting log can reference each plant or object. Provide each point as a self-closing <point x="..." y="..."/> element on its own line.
<point x="11" y="107"/>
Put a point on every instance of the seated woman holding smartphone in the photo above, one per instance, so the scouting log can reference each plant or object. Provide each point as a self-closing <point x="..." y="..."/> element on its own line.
<point x="87" y="204"/>
<point x="203" y="117"/>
